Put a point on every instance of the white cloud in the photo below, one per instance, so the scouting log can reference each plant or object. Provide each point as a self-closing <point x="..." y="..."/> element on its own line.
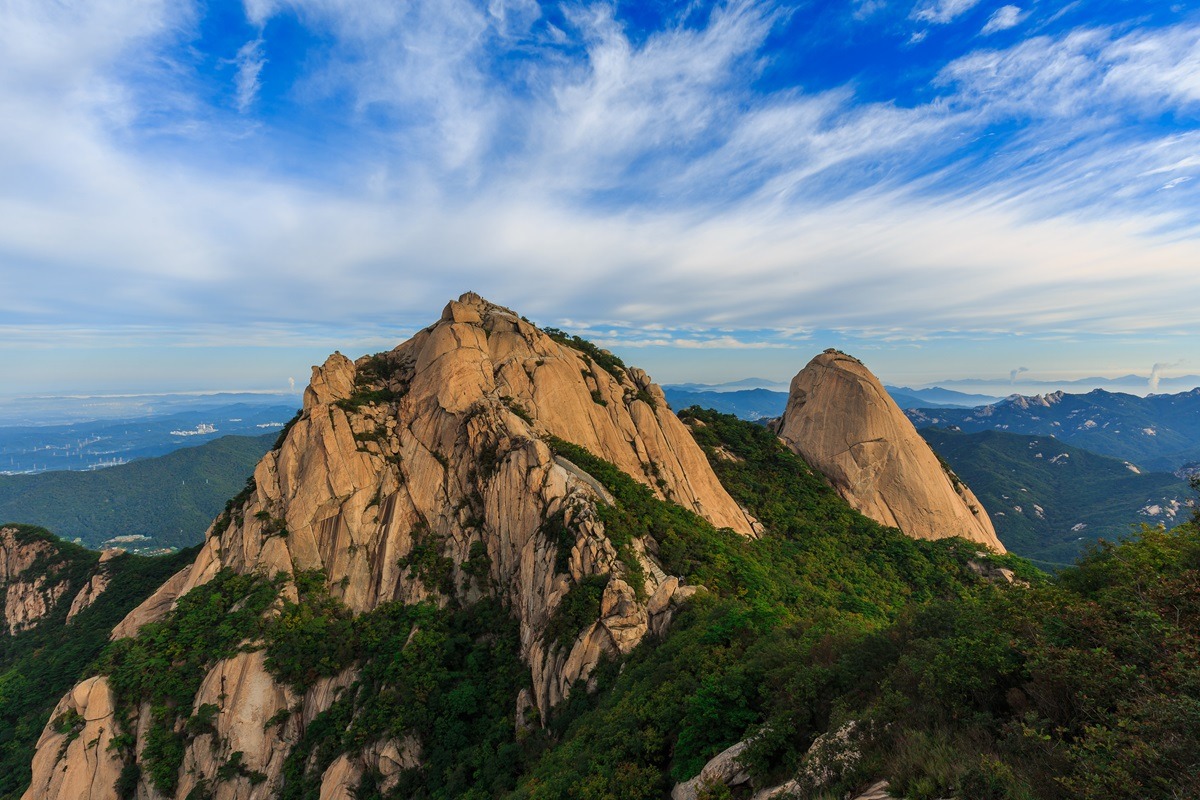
<point x="941" y="12"/>
<point x="250" y="61"/>
<point x="791" y="210"/>
<point x="1004" y="18"/>
<point x="1087" y="68"/>
<point x="867" y="8"/>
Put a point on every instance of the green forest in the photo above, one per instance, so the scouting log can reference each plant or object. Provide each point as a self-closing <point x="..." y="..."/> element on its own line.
<point x="170" y="499"/>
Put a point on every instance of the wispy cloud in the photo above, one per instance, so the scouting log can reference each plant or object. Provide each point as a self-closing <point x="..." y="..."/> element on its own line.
<point x="250" y="62"/>
<point x="941" y="12"/>
<point x="575" y="167"/>
<point x="1002" y="19"/>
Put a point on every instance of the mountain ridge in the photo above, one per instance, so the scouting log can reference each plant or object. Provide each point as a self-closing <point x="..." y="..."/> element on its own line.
<point x="1157" y="433"/>
<point x="428" y="453"/>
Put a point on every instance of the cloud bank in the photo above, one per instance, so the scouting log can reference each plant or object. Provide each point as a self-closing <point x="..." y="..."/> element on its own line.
<point x="573" y="164"/>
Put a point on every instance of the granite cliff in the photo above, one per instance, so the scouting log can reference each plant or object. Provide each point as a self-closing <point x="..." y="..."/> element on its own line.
<point x="441" y="448"/>
<point x="39" y="572"/>
<point x="840" y="420"/>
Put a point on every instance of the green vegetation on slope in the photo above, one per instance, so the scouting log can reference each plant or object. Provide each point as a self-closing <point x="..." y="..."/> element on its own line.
<point x="1087" y="687"/>
<point x="448" y="676"/>
<point x="1050" y="500"/>
<point x="822" y="575"/>
<point x="166" y="662"/>
<point x="38" y="666"/>
<point x="171" y="499"/>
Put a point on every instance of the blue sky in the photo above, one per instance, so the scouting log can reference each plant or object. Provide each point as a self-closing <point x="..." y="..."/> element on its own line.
<point x="200" y="196"/>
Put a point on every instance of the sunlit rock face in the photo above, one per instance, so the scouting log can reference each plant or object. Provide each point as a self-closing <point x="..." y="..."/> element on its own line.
<point x="840" y="420"/>
<point x="444" y="440"/>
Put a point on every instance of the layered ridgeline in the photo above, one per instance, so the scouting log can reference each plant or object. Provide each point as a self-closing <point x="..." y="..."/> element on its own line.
<point x="1157" y="433"/>
<point x="439" y="472"/>
<point x="840" y="420"/>
<point x="144" y="506"/>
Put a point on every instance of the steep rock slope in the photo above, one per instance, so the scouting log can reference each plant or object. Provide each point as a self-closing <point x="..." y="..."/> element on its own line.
<point x="422" y="474"/>
<point x="38" y="572"/>
<point x="61" y="602"/>
<point x="840" y="420"/>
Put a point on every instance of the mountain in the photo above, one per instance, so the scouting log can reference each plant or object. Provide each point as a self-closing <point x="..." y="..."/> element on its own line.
<point x="434" y="473"/>
<point x="1049" y="500"/>
<point x="1157" y="433"/>
<point x="936" y="396"/>
<point x="755" y="404"/>
<point x="145" y="505"/>
<point x="749" y="404"/>
<point x="745" y="384"/>
<point x="843" y="423"/>
<point x="1137" y="384"/>
<point x="61" y="602"/>
<point x="490" y="563"/>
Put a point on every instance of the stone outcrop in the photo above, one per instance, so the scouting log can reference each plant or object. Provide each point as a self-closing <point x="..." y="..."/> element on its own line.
<point x="32" y="580"/>
<point x="441" y="442"/>
<point x="829" y="757"/>
<point x="842" y="422"/>
<point x="79" y="733"/>
<point x="722" y="769"/>
<point x="95" y="586"/>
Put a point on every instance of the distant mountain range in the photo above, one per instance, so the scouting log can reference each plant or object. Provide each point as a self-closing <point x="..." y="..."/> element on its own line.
<point x="1157" y="433"/>
<point x="755" y="404"/>
<point x="731" y="386"/>
<point x="936" y="396"/>
<point x="969" y="392"/>
<point x="751" y="404"/>
<point x="1135" y="384"/>
<point x="143" y="506"/>
<point x="1048" y="499"/>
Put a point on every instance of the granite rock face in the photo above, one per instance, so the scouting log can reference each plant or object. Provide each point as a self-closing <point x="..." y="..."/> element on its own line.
<point x="441" y="441"/>
<point x="34" y="579"/>
<point x="841" y="421"/>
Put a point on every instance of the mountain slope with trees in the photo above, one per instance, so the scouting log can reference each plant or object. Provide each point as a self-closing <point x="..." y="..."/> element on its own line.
<point x="1158" y="433"/>
<point x="1049" y="500"/>
<point x="150" y="504"/>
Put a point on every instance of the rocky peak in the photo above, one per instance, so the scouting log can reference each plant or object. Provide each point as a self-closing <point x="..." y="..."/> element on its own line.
<point x="444" y="446"/>
<point x="840" y="420"/>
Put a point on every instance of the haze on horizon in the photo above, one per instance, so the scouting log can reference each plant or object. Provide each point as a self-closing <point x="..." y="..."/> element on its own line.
<point x="201" y="196"/>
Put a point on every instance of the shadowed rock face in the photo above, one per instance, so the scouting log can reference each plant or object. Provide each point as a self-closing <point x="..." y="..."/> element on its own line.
<point x="843" y="423"/>
<point x="441" y="439"/>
